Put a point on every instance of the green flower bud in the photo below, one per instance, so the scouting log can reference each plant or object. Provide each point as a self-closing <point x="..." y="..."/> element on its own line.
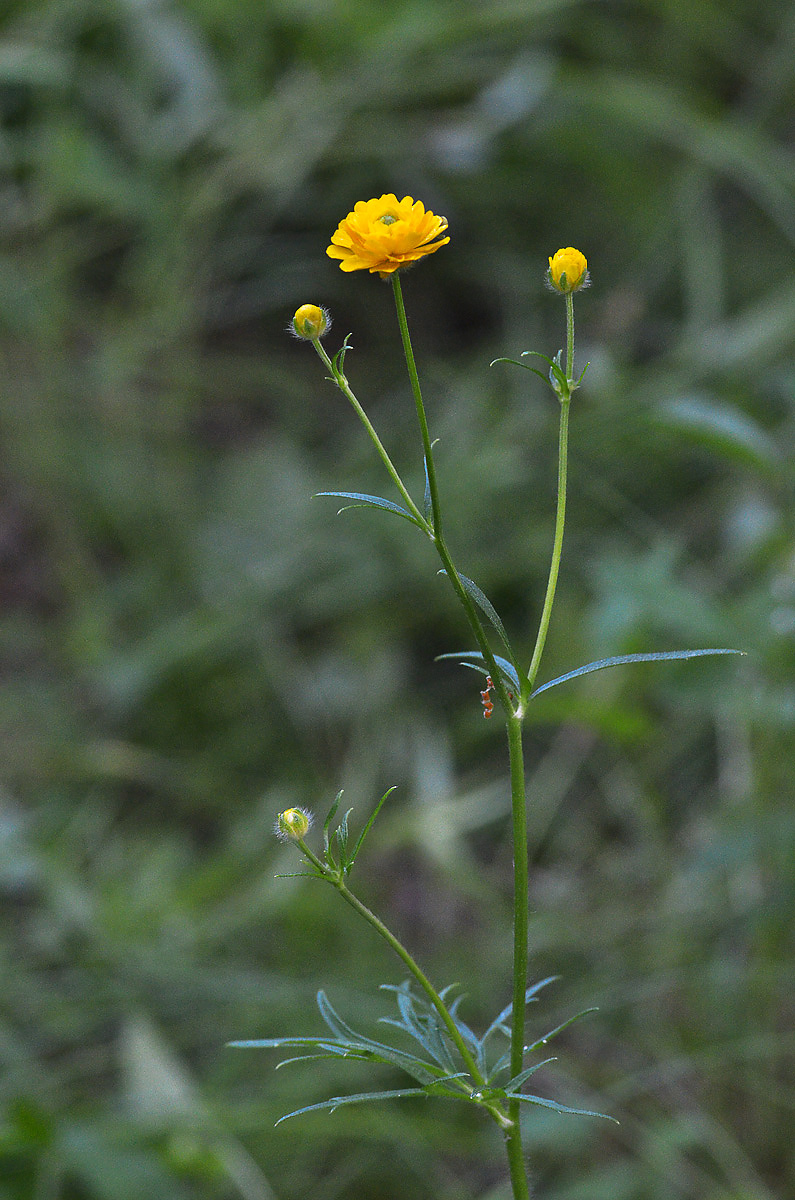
<point x="293" y="824"/>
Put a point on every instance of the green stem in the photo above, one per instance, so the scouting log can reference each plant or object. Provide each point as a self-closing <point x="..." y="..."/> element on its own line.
<point x="419" y="975"/>
<point x="557" y="549"/>
<point x="415" y="387"/>
<point x="436" y="510"/>
<point x="513" y="1138"/>
<point x="570" y="336"/>
<point x="513" y="1135"/>
<point x="560" y="518"/>
<point x="345" y="388"/>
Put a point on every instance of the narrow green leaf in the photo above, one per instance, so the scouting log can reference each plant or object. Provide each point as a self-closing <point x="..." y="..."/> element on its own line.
<point x="369" y="826"/>
<point x="338" y="360"/>
<point x="427" y="504"/>
<point x="466" y="1033"/>
<point x="423" y="1026"/>
<point x="529" y="996"/>
<point x="561" y="1108"/>
<point x="335" y="1021"/>
<point x="513" y="361"/>
<point x="359" y="1098"/>
<point x="362" y="500"/>
<point x="281" y="1043"/>
<point x="483" y="602"/>
<point x="514" y="1084"/>
<point x="558" y="1029"/>
<point x="474" y="657"/>
<point x="331" y="814"/>
<point x="348" y="1035"/>
<point x="299" y="1058"/>
<point x="620" y="660"/>
<point x="365" y="1050"/>
<point x="341" y="835"/>
<point x="525" y="353"/>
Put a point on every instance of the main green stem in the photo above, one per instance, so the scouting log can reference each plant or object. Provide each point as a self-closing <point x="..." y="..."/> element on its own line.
<point x="436" y="509"/>
<point x="513" y="1134"/>
<point x="513" y="1137"/>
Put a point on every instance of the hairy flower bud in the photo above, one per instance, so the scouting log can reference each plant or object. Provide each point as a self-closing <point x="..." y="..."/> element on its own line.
<point x="568" y="270"/>
<point x="293" y="824"/>
<point x="310" y="322"/>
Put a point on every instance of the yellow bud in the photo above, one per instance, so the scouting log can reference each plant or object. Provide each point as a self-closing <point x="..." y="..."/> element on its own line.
<point x="568" y="270"/>
<point x="293" y="824"/>
<point x="311" y="322"/>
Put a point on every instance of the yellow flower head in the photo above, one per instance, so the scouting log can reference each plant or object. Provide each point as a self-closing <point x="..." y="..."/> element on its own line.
<point x="293" y="824"/>
<point x="310" y="322"/>
<point x="568" y="270"/>
<point x="386" y="234"/>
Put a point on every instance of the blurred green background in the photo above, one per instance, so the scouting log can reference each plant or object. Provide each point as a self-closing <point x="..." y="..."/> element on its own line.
<point x="190" y="642"/>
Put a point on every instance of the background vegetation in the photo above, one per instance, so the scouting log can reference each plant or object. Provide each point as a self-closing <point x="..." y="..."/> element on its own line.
<point x="189" y="642"/>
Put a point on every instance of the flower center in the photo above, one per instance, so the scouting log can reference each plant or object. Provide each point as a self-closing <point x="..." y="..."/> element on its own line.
<point x="388" y="219"/>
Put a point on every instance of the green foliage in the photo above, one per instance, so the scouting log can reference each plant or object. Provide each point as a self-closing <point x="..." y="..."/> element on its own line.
<point x="436" y="1072"/>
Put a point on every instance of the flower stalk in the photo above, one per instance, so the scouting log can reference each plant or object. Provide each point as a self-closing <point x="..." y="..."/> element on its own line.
<point x="338" y="377"/>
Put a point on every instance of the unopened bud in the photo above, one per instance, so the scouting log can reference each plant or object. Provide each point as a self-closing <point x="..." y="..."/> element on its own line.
<point x="293" y="824"/>
<point x="311" y="322"/>
<point x="568" y="270"/>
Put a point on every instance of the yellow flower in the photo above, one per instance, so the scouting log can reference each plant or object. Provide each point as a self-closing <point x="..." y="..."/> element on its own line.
<point x="293" y="824"/>
<point x="386" y="234"/>
<point x="568" y="270"/>
<point x="310" y="322"/>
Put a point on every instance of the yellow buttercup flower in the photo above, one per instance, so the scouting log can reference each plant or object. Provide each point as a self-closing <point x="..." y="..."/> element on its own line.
<point x="386" y="234"/>
<point x="568" y="270"/>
